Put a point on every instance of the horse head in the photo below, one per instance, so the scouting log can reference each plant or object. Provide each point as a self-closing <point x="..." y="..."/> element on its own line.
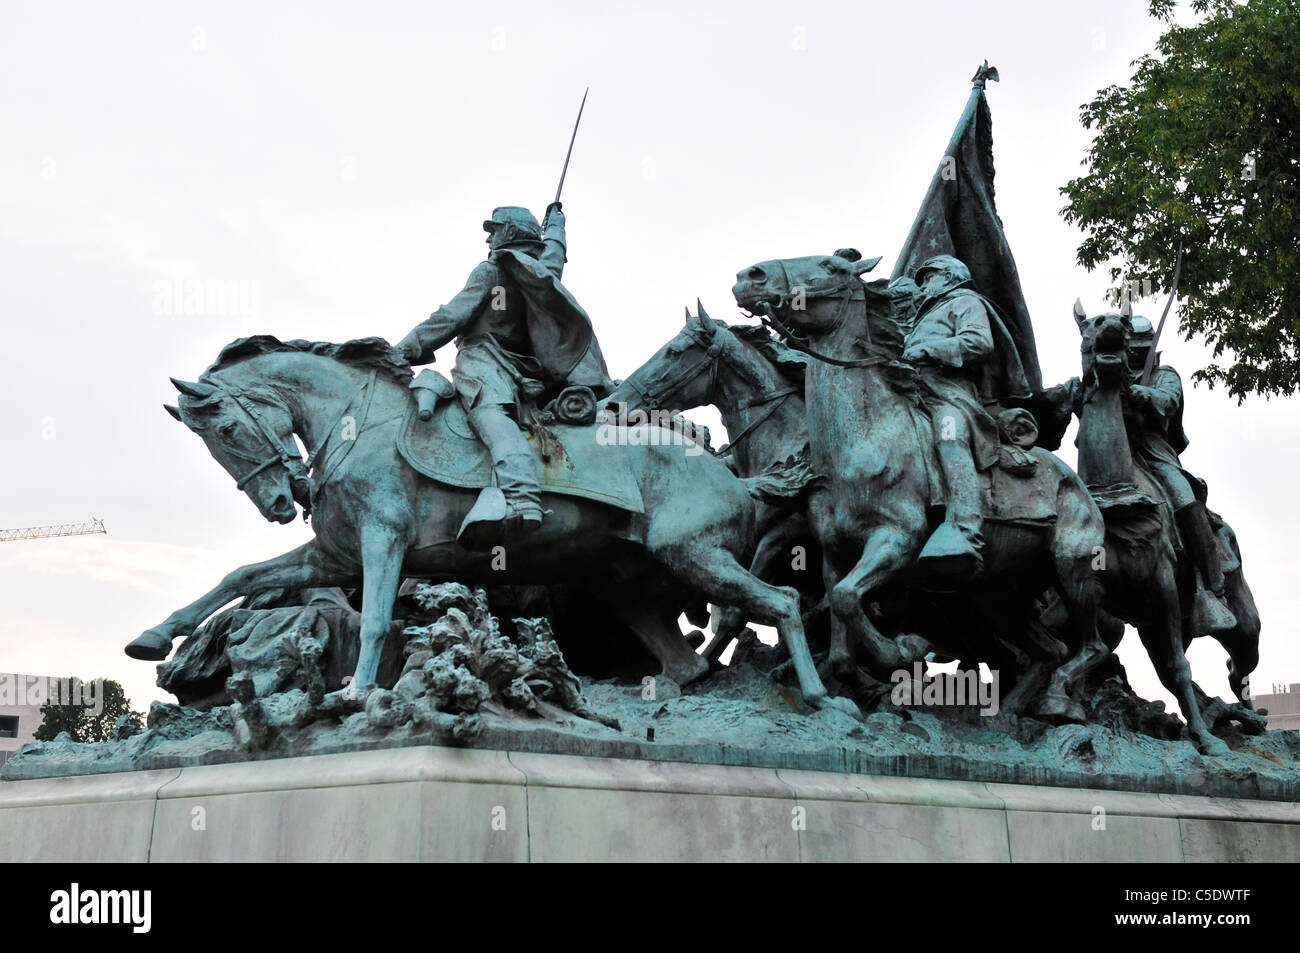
<point x="1105" y="344"/>
<point x="249" y="431"/>
<point x="685" y="372"/>
<point x="805" y="294"/>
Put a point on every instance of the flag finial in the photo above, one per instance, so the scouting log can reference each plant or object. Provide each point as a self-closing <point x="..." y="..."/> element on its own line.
<point x="983" y="74"/>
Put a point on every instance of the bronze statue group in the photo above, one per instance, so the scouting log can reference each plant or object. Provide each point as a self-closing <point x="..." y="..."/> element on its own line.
<point x="890" y="425"/>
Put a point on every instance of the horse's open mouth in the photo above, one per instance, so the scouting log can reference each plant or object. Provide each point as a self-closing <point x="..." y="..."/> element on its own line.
<point x="757" y="304"/>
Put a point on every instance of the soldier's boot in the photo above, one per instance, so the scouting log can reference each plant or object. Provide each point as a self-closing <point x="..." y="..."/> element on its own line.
<point x="513" y="507"/>
<point x="1210" y="612"/>
<point x="954" y="551"/>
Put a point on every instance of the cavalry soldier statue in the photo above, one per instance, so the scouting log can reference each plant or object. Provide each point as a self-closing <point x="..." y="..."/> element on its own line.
<point x="967" y="365"/>
<point x="520" y="334"/>
<point x="1153" y="416"/>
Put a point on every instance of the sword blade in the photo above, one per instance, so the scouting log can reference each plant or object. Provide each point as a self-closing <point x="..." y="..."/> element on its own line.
<point x="568" y="155"/>
<point x="1150" y="364"/>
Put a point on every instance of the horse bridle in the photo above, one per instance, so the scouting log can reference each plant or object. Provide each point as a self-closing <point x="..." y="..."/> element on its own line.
<point x="797" y="342"/>
<point x="713" y="357"/>
<point x="651" y="392"/>
<point x="279" y="454"/>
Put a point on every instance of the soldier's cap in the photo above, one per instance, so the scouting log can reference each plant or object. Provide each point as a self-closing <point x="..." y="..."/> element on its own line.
<point x="945" y="264"/>
<point x="1142" y="332"/>
<point x="522" y="220"/>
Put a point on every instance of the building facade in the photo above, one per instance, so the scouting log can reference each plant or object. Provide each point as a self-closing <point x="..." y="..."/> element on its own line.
<point x="1282" y="705"/>
<point x="20" y="711"/>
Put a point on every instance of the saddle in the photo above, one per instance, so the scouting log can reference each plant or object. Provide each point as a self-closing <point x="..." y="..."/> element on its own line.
<point x="1018" y="495"/>
<point x="1020" y="488"/>
<point x="571" y="460"/>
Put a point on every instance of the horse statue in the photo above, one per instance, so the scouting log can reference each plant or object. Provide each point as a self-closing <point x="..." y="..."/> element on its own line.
<point x="756" y="384"/>
<point x="378" y="518"/>
<point x="1149" y="580"/>
<point x="875" y="506"/>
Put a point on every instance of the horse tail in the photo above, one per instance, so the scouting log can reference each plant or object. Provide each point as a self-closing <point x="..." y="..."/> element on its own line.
<point x="785" y="483"/>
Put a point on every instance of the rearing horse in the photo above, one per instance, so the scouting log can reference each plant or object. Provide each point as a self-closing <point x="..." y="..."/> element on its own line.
<point x="876" y="448"/>
<point x="377" y="520"/>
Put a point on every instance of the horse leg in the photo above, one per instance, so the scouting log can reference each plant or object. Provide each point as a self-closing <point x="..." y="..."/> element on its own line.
<point x="731" y="623"/>
<point x="839" y="664"/>
<point x="299" y="568"/>
<point x="838" y="658"/>
<point x="721" y="577"/>
<point x="1241" y="643"/>
<point x="772" y="548"/>
<point x="887" y="551"/>
<point x="1164" y="644"/>
<point x="1077" y="585"/>
<point x="662" y="638"/>
<point x="1045" y="652"/>
<point x="382" y="553"/>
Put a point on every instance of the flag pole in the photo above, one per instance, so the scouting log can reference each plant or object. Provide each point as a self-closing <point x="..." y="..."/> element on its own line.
<point x="978" y="82"/>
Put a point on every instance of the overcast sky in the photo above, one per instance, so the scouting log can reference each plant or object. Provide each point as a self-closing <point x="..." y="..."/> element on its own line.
<point x="329" y="165"/>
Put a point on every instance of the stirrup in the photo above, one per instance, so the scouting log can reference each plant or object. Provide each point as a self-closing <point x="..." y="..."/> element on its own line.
<point x="950" y="556"/>
<point x="493" y="520"/>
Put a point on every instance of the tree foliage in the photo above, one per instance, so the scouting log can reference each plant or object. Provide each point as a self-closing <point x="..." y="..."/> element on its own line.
<point x="1203" y="148"/>
<point x="80" y="722"/>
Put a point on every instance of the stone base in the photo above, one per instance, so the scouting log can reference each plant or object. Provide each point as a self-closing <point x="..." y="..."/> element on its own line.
<point x="450" y="804"/>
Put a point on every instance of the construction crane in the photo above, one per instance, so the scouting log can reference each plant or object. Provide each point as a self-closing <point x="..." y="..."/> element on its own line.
<point x="59" y="529"/>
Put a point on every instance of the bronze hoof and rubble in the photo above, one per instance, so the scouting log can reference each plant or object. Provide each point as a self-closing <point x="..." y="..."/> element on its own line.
<point x="500" y="557"/>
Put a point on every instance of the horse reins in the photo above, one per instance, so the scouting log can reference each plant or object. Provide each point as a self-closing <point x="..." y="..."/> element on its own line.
<point x="712" y="351"/>
<point x="713" y="358"/>
<point x="280" y="455"/>
<point x="796" y="343"/>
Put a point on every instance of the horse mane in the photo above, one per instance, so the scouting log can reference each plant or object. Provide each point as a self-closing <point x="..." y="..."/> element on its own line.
<point x="789" y="363"/>
<point x="372" y="354"/>
<point x="891" y="311"/>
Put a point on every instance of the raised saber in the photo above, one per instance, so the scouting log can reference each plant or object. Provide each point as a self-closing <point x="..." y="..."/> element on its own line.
<point x="568" y="155"/>
<point x="1150" y="364"/>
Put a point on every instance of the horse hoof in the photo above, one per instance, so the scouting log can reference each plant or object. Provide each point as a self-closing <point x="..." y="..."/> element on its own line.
<point x="353" y="691"/>
<point x="1061" y="710"/>
<point x="686" y="674"/>
<point x="343" y="702"/>
<point x="845" y="705"/>
<point x="151" y="646"/>
<point x="1213" y="747"/>
<point x="823" y="701"/>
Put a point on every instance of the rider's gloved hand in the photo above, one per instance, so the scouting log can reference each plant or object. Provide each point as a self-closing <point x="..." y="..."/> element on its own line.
<point x="1143" y="396"/>
<point x="916" y="354"/>
<point x="410" y="349"/>
<point x="554" y="216"/>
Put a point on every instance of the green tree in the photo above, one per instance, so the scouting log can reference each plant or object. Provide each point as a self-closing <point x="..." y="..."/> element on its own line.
<point x="80" y="721"/>
<point x="1203" y="148"/>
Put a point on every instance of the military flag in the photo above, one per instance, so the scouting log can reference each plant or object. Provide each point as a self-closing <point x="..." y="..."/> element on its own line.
<point x="958" y="217"/>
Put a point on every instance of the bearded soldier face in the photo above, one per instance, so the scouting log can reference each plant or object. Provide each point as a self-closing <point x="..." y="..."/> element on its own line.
<point x="933" y="282"/>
